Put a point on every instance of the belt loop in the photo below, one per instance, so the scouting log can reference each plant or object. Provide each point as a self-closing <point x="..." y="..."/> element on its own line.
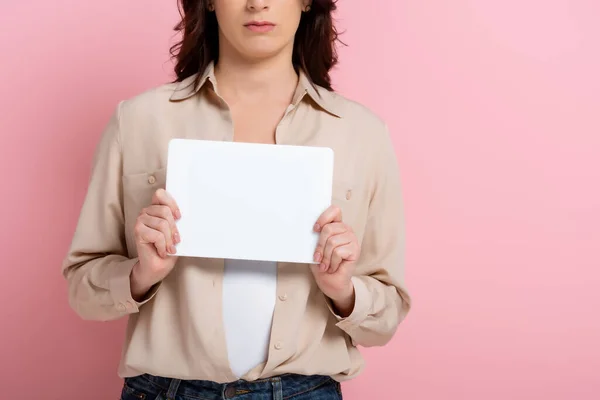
<point x="173" y="387"/>
<point x="277" y="388"/>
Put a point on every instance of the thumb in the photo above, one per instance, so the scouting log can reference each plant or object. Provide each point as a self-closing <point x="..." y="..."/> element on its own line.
<point x="315" y="269"/>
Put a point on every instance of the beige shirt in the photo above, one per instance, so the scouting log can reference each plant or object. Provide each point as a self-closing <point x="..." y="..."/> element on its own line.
<point x="177" y="331"/>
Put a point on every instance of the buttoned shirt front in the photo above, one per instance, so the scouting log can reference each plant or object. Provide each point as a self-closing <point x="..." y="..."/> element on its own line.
<point x="177" y="330"/>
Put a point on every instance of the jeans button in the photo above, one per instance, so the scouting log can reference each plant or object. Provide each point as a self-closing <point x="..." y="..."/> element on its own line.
<point x="230" y="392"/>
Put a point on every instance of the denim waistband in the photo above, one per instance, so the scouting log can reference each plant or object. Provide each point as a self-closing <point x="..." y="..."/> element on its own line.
<point x="281" y="387"/>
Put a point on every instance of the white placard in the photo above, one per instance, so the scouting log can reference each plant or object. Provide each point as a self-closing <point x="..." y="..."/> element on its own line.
<point x="247" y="200"/>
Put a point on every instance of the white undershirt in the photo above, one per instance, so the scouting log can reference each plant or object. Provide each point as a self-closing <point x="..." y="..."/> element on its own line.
<point x="249" y="295"/>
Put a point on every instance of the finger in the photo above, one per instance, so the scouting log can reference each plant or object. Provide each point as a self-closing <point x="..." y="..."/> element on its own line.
<point x="161" y="225"/>
<point x="328" y="230"/>
<point x="165" y="212"/>
<point x="147" y="235"/>
<point x="339" y="256"/>
<point x="162" y="197"/>
<point x="333" y="242"/>
<point x="332" y="214"/>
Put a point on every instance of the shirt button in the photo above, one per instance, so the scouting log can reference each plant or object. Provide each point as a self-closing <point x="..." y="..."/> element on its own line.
<point x="152" y="179"/>
<point x="278" y="345"/>
<point x="283" y="297"/>
<point x="230" y="392"/>
<point x="348" y="194"/>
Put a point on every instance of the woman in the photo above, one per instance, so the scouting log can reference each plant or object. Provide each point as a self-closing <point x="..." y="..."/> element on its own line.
<point x="261" y="66"/>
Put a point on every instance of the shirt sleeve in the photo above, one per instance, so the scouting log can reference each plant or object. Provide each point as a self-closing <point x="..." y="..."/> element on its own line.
<point x="381" y="299"/>
<point x="96" y="266"/>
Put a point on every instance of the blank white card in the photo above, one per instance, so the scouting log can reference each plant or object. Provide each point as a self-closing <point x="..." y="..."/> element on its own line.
<point x="248" y="201"/>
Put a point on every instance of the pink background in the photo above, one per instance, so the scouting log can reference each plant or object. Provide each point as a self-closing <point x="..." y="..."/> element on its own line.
<point x="495" y="111"/>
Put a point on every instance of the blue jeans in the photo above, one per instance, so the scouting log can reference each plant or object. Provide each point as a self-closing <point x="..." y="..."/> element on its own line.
<point x="287" y="386"/>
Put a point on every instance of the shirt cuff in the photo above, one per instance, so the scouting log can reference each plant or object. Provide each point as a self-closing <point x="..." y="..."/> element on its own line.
<point x="120" y="288"/>
<point x="360" y="312"/>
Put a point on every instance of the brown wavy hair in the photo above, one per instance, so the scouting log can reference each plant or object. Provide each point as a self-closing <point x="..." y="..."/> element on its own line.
<point x="314" y="44"/>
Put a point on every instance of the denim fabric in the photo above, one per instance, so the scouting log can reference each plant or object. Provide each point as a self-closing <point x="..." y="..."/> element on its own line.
<point x="287" y="386"/>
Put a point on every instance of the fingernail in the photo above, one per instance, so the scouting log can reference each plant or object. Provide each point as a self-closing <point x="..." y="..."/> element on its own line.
<point x="317" y="227"/>
<point x="177" y="214"/>
<point x="176" y="237"/>
<point x="323" y="267"/>
<point x="317" y="257"/>
<point x="173" y="250"/>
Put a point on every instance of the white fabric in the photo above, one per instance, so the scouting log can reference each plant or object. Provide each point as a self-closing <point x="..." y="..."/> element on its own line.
<point x="249" y="296"/>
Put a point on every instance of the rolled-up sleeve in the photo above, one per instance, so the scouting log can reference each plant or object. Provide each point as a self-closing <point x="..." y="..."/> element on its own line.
<point x="381" y="298"/>
<point x="96" y="266"/>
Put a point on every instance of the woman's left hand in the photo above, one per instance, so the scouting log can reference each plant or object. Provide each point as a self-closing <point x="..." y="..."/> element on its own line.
<point x="337" y="252"/>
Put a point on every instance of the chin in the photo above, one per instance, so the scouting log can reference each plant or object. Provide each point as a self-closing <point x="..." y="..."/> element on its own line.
<point x="260" y="52"/>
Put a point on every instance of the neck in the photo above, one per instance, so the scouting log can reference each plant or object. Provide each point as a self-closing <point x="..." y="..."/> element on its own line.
<point x="240" y="78"/>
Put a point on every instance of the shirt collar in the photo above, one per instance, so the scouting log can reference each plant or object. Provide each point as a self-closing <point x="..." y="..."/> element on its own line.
<point x="324" y="98"/>
<point x="190" y="86"/>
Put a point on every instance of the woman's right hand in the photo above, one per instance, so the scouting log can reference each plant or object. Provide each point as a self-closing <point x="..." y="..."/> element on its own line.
<point x="155" y="237"/>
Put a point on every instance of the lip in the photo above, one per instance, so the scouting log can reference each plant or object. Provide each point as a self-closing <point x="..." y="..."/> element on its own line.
<point x="260" y="26"/>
